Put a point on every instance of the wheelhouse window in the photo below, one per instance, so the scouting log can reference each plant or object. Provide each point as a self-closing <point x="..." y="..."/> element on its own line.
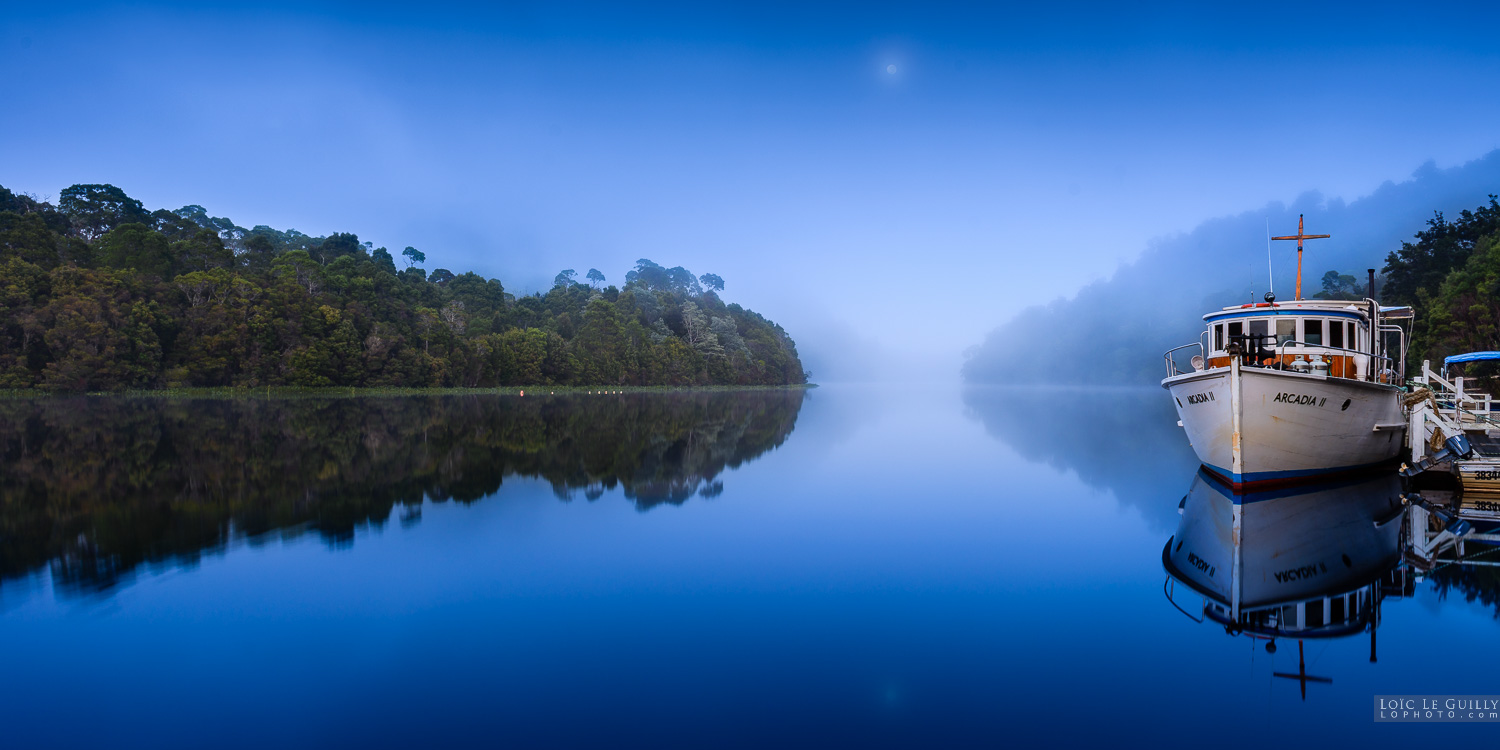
<point x="1314" y="614"/>
<point x="1236" y="329"/>
<point x="1260" y="327"/>
<point x="1312" y="332"/>
<point x="1286" y="330"/>
<point x="1219" y="337"/>
<point x="1336" y="335"/>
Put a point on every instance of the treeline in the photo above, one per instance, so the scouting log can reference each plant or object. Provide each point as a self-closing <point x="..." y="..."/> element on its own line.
<point x="1451" y="275"/>
<point x="94" y="487"/>
<point x="97" y="293"/>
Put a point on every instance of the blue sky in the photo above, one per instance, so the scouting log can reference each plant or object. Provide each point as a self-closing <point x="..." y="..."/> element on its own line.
<point x="890" y="178"/>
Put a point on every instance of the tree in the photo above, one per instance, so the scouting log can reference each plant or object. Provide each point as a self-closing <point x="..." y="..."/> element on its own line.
<point x="564" y="278"/>
<point x="203" y="251"/>
<point x="96" y="209"/>
<point x="1440" y="248"/>
<point x="137" y="247"/>
<point x="712" y="281"/>
<point x="595" y="278"/>
<point x="382" y="258"/>
<point x="258" y="252"/>
<point x="440" y="276"/>
<point x="1340" y="286"/>
<point x="339" y="245"/>
<point x="414" y="257"/>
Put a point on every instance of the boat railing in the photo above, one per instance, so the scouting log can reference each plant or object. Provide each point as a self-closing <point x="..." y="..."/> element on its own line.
<point x="1451" y="398"/>
<point x="1171" y="364"/>
<point x="1392" y="372"/>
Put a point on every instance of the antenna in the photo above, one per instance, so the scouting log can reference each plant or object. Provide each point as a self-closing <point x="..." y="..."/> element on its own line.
<point x="1269" y="271"/>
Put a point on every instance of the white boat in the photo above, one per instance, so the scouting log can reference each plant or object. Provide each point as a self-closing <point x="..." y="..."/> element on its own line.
<point x="1286" y="392"/>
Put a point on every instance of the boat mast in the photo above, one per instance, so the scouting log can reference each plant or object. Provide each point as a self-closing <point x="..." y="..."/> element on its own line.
<point x="1299" y="237"/>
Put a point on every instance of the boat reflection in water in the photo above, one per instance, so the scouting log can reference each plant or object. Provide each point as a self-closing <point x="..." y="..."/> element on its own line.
<point x="1309" y="562"/>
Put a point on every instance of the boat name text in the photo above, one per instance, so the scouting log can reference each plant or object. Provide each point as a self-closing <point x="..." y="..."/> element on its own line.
<point x="1299" y="399"/>
<point x="1201" y="398"/>
<point x="1297" y="574"/>
<point x="1201" y="564"/>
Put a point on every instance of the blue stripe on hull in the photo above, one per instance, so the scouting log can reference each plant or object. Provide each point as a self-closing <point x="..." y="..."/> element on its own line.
<point x="1254" y="486"/>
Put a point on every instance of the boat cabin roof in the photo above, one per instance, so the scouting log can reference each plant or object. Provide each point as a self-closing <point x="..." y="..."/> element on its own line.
<point x="1330" y="308"/>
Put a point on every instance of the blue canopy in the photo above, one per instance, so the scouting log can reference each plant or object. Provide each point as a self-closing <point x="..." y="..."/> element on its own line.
<point x="1471" y="357"/>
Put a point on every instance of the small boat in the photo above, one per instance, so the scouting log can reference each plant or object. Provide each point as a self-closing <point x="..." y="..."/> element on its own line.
<point x="1281" y="393"/>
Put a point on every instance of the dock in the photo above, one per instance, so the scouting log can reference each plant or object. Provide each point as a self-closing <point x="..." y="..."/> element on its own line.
<point x="1452" y="474"/>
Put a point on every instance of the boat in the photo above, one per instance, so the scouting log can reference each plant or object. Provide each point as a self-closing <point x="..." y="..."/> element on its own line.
<point x="1281" y="393"/>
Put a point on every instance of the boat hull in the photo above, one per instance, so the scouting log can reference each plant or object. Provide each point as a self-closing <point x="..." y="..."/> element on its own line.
<point x="1294" y="427"/>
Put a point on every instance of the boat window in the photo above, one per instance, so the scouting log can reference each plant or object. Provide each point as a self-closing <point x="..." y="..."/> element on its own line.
<point x="1260" y="327"/>
<point x="1336" y="610"/>
<point x="1312" y="332"/>
<point x="1313" y="614"/>
<point x="1351" y="339"/>
<point x="1336" y="334"/>
<point x="1236" y="329"/>
<point x="1289" y="616"/>
<point x="1219" y="337"/>
<point x="1286" y="330"/>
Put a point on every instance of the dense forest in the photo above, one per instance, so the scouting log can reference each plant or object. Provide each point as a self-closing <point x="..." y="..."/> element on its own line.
<point x="97" y="293"/>
<point x="95" y="486"/>
<point x="1451" y="275"/>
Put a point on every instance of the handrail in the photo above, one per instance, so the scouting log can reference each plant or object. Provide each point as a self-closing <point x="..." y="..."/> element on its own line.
<point x="1282" y="347"/>
<point x="1172" y="369"/>
<point x="1170" y="582"/>
<point x="1400" y="344"/>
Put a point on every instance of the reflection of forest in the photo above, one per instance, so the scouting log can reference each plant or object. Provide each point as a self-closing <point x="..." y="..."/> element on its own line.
<point x="1474" y="583"/>
<point x="1125" y="440"/>
<point x="99" y="485"/>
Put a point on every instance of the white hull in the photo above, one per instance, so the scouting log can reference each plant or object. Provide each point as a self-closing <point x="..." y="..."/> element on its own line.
<point x="1292" y="425"/>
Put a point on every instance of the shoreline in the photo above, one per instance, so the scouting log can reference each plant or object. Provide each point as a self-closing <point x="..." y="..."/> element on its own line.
<point x="274" y="392"/>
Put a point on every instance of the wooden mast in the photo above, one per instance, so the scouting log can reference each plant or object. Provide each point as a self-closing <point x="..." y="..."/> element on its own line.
<point x="1299" y="237"/>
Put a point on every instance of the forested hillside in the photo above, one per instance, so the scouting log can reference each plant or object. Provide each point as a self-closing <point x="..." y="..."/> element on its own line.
<point x="1451" y="275"/>
<point x="97" y="293"/>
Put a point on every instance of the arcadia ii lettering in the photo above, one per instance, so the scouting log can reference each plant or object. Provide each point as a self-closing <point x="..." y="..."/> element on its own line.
<point x="1200" y="398"/>
<point x="1299" y="399"/>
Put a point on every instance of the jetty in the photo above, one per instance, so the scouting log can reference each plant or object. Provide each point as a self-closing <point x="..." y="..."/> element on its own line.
<point x="1452" y="472"/>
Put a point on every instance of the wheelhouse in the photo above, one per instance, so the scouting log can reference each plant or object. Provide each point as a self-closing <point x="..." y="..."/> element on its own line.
<point x="1334" y="338"/>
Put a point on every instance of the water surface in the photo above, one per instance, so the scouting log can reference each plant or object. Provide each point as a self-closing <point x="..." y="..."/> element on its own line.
<point x="856" y="565"/>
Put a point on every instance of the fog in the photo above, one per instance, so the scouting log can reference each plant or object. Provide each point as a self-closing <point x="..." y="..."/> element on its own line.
<point x="888" y="184"/>
<point x="1115" y="331"/>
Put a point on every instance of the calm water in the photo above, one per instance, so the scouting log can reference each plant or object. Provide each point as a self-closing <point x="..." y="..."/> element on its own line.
<point x="871" y="566"/>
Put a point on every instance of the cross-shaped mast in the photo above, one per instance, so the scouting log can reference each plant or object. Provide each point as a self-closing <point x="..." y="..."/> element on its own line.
<point x="1299" y="237"/>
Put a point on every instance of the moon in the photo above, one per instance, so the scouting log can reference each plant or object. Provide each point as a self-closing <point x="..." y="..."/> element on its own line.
<point x="891" y="68"/>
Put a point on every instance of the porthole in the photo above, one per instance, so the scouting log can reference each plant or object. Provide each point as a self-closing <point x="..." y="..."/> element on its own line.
<point x="1346" y="404"/>
<point x="1179" y="401"/>
<point x="1347" y="562"/>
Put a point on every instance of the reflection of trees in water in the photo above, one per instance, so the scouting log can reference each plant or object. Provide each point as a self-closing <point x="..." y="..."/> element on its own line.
<point x="1125" y="440"/>
<point x="99" y="485"/>
<point x="1476" y="583"/>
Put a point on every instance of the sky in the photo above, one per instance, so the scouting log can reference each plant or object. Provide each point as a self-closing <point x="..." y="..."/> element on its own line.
<point x="887" y="181"/>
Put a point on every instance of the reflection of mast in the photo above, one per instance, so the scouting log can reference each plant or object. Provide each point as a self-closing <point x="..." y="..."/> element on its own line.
<point x="1302" y="676"/>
